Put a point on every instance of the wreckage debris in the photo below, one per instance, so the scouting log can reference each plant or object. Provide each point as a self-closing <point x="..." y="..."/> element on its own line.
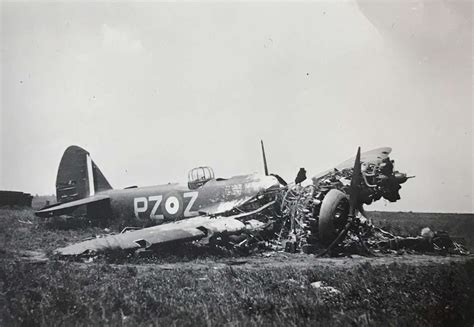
<point x="323" y="218"/>
<point x="299" y="232"/>
<point x="301" y="176"/>
<point x="321" y="286"/>
<point x="428" y="241"/>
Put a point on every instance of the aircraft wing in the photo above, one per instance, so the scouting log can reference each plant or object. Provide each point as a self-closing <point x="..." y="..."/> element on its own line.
<point x="64" y="208"/>
<point x="375" y="156"/>
<point x="180" y="231"/>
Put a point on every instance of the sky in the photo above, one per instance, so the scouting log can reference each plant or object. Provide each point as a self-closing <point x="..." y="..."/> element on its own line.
<point x="153" y="89"/>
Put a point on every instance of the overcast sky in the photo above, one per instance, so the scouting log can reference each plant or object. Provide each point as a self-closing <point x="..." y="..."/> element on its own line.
<point x="154" y="89"/>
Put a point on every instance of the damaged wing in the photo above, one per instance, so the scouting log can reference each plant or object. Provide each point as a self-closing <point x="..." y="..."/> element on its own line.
<point x="375" y="156"/>
<point x="180" y="231"/>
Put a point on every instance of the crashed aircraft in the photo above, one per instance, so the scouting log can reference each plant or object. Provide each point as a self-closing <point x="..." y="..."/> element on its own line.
<point x="235" y="211"/>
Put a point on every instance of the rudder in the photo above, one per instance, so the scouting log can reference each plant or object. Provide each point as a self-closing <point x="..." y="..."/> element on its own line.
<point x="78" y="176"/>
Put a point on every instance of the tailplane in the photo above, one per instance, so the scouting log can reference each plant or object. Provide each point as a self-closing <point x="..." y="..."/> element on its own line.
<point x="78" y="176"/>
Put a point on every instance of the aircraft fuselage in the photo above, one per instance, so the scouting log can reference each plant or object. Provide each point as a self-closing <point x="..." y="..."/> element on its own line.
<point x="170" y="202"/>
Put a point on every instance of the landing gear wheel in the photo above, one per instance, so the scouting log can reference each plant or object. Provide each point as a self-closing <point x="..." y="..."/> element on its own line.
<point x="333" y="216"/>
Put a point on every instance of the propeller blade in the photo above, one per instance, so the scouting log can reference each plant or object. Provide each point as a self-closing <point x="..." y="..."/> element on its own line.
<point x="264" y="159"/>
<point x="355" y="183"/>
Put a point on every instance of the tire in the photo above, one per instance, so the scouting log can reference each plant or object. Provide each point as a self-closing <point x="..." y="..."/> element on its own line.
<point x="332" y="215"/>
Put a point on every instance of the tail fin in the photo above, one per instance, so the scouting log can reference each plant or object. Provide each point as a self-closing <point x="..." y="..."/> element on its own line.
<point x="78" y="176"/>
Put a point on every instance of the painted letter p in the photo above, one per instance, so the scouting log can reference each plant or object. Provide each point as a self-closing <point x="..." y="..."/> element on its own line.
<point x="140" y="208"/>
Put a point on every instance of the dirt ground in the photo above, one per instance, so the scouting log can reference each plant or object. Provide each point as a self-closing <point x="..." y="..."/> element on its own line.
<point x="199" y="287"/>
<point x="303" y="261"/>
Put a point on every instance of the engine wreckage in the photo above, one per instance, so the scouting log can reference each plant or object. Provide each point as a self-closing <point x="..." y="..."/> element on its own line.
<point x="323" y="217"/>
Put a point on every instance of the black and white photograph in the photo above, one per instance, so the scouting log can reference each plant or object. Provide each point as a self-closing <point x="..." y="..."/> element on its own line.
<point x="236" y="163"/>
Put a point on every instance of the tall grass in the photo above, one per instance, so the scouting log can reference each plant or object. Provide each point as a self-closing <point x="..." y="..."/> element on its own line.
<point x="65" y="293"/>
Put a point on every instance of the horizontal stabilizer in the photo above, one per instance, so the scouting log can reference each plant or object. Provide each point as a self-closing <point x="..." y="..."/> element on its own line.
<point x="65" y="208"/>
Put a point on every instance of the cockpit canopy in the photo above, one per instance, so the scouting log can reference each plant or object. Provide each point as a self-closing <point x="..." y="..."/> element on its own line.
<point x="199" y="176"/>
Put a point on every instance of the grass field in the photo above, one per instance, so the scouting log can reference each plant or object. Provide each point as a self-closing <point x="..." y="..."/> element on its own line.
<point x="217" y="289"/>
